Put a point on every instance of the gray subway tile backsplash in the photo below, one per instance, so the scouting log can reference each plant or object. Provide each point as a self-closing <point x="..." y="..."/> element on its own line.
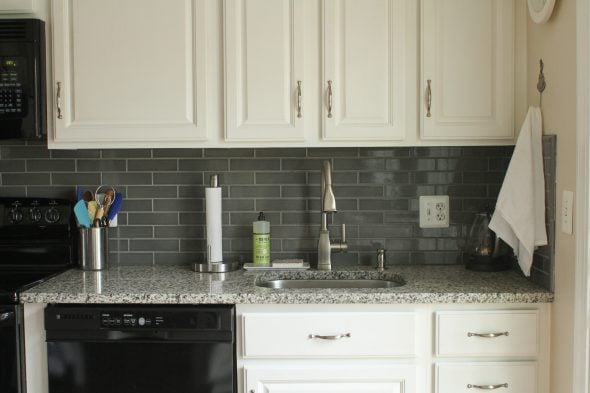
<point x="377" y="189"/>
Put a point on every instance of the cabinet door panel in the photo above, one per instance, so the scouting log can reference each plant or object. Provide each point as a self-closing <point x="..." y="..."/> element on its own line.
<point x="129" y="71"/>
<point x="264" y="62"/>
<point x="468" y="56"/>
<point x="322" y="379"/>
<point x="364" y="60"/>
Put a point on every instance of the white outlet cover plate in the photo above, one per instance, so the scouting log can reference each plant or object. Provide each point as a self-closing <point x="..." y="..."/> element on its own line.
<point x="434" y="211"/>
<point x="567" y="212"/>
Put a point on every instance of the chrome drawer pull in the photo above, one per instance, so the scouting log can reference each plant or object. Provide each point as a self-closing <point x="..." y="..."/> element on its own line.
<point x="487" y="335"/>
<point x="335" y="337"/>
<point x="428" y="98"/>
<point x="58" y="101"/>
<point x="329" y="99"/>
<point x="299" y="99"/>
<point x="487" y="387"/>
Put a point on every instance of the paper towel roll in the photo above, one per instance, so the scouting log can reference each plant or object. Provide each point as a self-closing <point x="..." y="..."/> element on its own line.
<point x="213" y="213"/>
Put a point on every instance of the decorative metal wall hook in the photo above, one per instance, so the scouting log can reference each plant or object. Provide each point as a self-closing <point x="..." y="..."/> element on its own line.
<point x="541" y="84"/>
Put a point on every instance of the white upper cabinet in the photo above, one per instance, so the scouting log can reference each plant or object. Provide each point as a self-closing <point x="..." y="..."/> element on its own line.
<point x="129" y="73"/>
<point x="468" y="69"/>
<point x="266" y="90"/>
<point x="365" y="79"/>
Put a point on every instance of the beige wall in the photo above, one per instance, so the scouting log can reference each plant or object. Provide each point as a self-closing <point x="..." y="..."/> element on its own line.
<point x="555" y="43"/>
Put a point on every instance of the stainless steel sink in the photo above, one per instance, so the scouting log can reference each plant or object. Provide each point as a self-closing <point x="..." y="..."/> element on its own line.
<point x="343" y="279"/>
<point x="329" y="283"/>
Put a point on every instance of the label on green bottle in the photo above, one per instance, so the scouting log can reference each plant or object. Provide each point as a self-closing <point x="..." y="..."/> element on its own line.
<point x="261" y="247"/>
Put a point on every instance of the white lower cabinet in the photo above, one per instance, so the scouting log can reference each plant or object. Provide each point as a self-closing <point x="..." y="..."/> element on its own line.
<point x="394" y="348"/>
<point x="470" y="377"/>
<point x="325" y="379"/>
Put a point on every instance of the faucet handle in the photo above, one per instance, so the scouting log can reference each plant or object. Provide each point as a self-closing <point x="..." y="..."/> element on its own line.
<point x="381" y="260"/>
<point x="343" y="233"/>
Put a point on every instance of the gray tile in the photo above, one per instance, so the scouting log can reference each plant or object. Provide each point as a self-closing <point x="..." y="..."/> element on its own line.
<point x="152" y="165"/>
<point x="136" y="232"/>
<point x="229" y="152"/>
<point x="195" y="218"/>
<point x="179" y="205"/>
<point x="194" y="245"/>
<point x="483" y="177"/>
<point x="203" y="164"/>
<point x="81" y="153"/>
<point x="280" y="152"/>
<point x="341" y="204"/>
<point x="12" y="152"/>
<point x="407" y="164"/>
<point x="456" y="164"/>
<point x="153" y="218"/>
<point x="280" y="178"/>
<point x="358" y="218"/>
<point x="300" y="164"/>
<point x="137" y="205"/>
<point x="312" y="191"/>
<point x="499" y="164"/>
<point x="437" y="177"/>
<point x="153" y="245"/>
<point x="50" y="165"/>
<point x="385" y="151"/>
<point x="12" y="166"/>
<point x="435" y="257"/>
<point x="126" y="153"/>
<point x="486" y="151"/>
<point x="400" y="216"/>
<point x="383" y="204"/>
<point x="152" y="192"/>
<point x="180" y="232"/>
<point x="300" y="245"/>
<point x="177" y="153"/>
<point x="301" y="218"/>
<point x="384" y="177"/>
<point x="461" y="190"/>
<point x="231" y="178"/>
<point x="25" y="179"/>
<point x="238" y="205"/>
<point x="254" y="191"/>
<point x="280" y="205"/>
<point x="75" y="179"/>
<point x="237" y="218"/>
<point x="339" y="178"/>
<point x="358" y="191"/>
<point x="101" y="165"/>
<point x="296" y="231"/>
<point x="331" y="152"/>
<point x="437" y="151"/>
<point x="178" y="178"/>
<point x="132" y="258"/>
<point x="400" y="191"/>
<point x="196" y="191"/>
<point x="127" y="178"/>
<point x="67" y="192"/>
<point x="386" y="231"/>
<point x="173" y="258"/>
<point x="258" y="164"/>
<point x="359" y="164"/>
<point x="13" y="191"/>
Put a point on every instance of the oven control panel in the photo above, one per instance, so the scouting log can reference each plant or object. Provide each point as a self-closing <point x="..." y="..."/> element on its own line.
<point x="129" y="319"/>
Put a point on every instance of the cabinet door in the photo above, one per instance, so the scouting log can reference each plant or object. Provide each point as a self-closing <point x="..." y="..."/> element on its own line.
<point x="364" y="83"/>
<point x="322" y="379"/>
<point x="468" y="69"/>
<point x="129" y="71"/>
<point x="265" y="85"/>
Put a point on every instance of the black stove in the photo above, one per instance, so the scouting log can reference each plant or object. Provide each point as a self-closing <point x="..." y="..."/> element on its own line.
<point x="37" y="241"/>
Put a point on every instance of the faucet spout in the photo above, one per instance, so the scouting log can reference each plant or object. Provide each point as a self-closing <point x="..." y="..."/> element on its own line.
<point x="325" y="245"/>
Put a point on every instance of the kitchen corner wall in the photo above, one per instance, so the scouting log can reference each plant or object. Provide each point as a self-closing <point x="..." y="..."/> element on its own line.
<point x="377" y="193"/>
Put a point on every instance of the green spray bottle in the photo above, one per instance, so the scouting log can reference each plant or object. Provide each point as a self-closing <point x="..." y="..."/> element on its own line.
<point x="261" y="241"/>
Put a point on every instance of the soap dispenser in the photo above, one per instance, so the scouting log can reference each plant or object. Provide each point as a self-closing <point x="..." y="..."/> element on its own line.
<point x="261" y="241"/>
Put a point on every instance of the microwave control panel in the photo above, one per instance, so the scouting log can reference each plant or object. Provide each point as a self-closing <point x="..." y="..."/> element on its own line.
<point x="12" y="95"/>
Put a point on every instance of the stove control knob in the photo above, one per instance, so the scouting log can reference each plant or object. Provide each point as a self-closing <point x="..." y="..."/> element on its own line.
<point x="141" y="321"/>
<point x="52" y="215"/>
<point x="15" y="215"/>
<point x="35" y="212"/>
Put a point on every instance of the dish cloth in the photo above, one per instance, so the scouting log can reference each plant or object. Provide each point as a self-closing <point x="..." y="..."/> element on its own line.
<point x="519" y="218"/>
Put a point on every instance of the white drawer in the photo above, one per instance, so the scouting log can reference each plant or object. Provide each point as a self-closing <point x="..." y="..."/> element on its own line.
<point x="487" y="333"/>
<point x="301" y="335"/>
<point x="482" y="377"/>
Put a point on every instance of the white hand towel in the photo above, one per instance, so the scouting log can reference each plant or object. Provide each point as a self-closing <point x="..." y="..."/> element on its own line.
<point x="519" y="218"/>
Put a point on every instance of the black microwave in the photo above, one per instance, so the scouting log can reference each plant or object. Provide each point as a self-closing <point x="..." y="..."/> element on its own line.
<point x="23" y="107"/>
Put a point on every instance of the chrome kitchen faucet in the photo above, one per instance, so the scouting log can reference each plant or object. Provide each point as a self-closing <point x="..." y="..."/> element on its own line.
<point x="325" y="246"/>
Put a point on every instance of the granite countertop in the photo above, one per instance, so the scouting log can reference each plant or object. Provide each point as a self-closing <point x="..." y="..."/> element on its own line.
<point x="180" y="285"/>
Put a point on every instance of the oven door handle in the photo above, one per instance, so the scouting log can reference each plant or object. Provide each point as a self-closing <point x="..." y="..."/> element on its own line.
<point x="7" y="318"/>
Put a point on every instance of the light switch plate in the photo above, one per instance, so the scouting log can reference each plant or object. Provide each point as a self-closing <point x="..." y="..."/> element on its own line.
<point x="434" y="211"/>
<point x="567" y="212"/>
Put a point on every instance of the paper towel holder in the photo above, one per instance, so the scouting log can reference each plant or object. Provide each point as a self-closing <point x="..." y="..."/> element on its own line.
<point x="215" y="267"/>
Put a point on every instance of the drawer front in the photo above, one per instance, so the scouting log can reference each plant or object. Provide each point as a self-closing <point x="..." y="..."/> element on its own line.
<point x="301" y="335"/>
<point x="486" y="377"/>
<point x="487" y="333"/>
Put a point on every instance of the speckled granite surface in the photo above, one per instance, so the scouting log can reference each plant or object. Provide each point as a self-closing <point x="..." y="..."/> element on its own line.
<point x="180" y="285"/>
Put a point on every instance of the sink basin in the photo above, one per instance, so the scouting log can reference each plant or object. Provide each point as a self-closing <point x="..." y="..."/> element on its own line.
<point x="300" y="284"/>
<point x="330" y="280"/>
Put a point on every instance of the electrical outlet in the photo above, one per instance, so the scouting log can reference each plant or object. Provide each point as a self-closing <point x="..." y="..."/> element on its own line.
<point x="434" y="211"/>
<point x="567" y="210"/>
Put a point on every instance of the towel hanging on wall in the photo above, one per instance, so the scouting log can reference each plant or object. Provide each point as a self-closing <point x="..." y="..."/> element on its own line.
<point x="519" y="218"/>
